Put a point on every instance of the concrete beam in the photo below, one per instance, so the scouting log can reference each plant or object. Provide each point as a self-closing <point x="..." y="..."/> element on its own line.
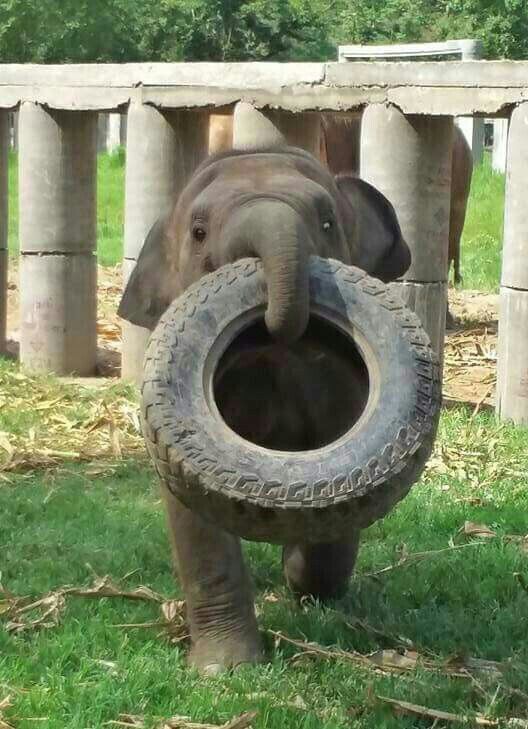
<point x="438" y="88"/>
<point x="114" y="75"/>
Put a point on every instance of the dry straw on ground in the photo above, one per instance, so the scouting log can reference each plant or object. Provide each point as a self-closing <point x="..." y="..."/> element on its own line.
<point x="97" y="420"/>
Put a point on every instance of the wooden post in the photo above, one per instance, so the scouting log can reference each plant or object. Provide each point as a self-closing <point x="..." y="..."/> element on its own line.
<point x="163" y="150"/>
<point x="512" y="365"/>
<point x="57" y="211"/>
<point x="4" y="166"/>
<point x="408" y="158"/>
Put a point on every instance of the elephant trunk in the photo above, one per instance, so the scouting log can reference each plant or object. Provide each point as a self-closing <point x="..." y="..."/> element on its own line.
<point x="276" y="233"/>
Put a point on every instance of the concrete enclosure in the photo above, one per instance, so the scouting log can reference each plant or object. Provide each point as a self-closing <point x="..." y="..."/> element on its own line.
<point x="405" y="150"/>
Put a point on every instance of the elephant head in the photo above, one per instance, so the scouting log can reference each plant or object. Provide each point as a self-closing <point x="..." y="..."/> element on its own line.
<point x="279" y="205"/>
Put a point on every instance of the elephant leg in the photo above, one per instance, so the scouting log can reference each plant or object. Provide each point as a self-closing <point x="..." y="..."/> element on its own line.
<point x="320" y="570"/>
<point x="217" y="589"/>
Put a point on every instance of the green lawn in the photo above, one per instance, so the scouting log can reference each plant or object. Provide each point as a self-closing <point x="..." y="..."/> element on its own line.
<point x="59" y="527"/>
<point x="481" y="243"/>
<point x="483" y="230"/>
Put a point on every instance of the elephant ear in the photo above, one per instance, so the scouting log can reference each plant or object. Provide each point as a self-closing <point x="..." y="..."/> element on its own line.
<point x="153" y="284"/>
<point x="371" y="226"/>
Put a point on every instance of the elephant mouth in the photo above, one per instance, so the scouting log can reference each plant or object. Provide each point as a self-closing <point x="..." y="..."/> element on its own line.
<point x="290" y="398"/>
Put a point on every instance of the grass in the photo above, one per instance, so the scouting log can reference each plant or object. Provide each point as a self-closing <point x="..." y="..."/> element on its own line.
<point x="481" y="242"/>
<point x="61" y="525"/>
<point x="483" y="230"/>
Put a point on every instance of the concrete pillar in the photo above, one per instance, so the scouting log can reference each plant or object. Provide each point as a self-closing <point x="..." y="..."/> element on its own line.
<point x="512" y="365"/>
<point x="500" y="145"/>
<point x="163" y="150"/>
<point x="408" y="158"/>
<point x="13" y="132"/>
<point x="102" y="131"/>
<point x="57" y="213"/>
<point x="472" y="128"/>
<point x="254" y="129"/>
<point x="123" y="130"/>
<point x="113" y="138"/>
<point x="4" y="161"/>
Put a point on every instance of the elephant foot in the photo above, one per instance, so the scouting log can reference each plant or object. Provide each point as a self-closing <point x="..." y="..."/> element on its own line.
<point x="212" y="655"/>
<point x="320" y="570"/>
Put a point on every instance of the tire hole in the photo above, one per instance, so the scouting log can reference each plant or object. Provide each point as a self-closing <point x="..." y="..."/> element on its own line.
<point x="240" y="507"/>
<point x="291" y="398"/>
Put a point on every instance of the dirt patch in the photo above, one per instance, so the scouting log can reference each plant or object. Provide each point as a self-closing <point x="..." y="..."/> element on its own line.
<point x="470" y="352"/>
<point x="470" y="359"/>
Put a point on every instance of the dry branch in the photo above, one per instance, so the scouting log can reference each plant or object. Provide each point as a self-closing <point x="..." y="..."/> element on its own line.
<point x="417" y="557"/>
<point x="423" y="712"/>
<point x="244" y="721"/>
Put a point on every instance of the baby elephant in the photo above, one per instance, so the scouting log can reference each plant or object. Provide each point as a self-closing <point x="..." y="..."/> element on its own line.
<point x="281" y="206"/>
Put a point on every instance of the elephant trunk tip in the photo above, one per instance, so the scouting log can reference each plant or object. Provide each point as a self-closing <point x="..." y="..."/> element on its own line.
<point x="286" y="329"/>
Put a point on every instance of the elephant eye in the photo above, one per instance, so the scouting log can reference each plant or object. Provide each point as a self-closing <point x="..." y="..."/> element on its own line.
<point x="327" y="225"/>
<point x="199" y="233"/>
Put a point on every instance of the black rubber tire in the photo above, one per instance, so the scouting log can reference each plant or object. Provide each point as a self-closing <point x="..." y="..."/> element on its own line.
<point x="274" y="496"/>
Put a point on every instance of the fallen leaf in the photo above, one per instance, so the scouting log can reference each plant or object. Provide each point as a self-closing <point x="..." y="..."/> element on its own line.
<point x="20" y="610"/>
<point x="476" y="666"/>
<point x="394" y="661"/>
<point x="105" y="587"/>
<point x="5" y="704"/>
<point x="413" y="557"/>
<point x="243" y="721"/>
<point x="423" y="712"/>
<point x="127" y="720"/>
<point x="477" y="531"/>
<point x="48" y="610"/>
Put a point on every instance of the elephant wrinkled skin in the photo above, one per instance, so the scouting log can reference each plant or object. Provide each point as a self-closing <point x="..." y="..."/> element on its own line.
<point x="281" y="206"/>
